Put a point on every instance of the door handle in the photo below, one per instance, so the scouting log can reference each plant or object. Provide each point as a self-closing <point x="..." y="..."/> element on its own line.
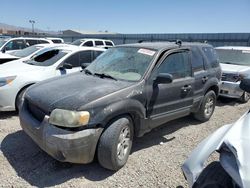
<point x="204" y="79"/>
<point x="186" y="88"/>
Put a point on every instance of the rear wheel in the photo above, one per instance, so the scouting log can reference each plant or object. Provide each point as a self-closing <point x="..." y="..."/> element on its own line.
<point x="214" y="176"/>
<point x="115" y="144"/>
<point x="245" y="97"/>
<point x="207" y="107"/>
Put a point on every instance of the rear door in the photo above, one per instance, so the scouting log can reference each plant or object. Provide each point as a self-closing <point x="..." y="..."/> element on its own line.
<point x="172" y="100"/>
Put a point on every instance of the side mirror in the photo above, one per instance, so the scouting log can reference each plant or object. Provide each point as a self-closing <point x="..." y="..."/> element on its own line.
<point x="84" y="65"/>
<point x="164" y="78"/>
<point x="66" y="66"/>
<point x="245" y="84"/>
<point x="4" y="50"/>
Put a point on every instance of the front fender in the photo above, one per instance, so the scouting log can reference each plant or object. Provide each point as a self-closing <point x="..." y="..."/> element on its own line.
<point x="195" y="162"/>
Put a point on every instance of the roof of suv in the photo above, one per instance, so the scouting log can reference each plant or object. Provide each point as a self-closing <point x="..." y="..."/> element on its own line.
<point x="165" y="45"/>
<point x="233" y="47"/>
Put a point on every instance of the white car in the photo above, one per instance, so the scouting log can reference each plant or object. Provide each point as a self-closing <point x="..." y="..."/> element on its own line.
<point x="25" y="53"/>
<point x="101" y="43"/>
<point x="13" y="44"/>
<point x="16" y="76"/>
<point x="235" y="65"/>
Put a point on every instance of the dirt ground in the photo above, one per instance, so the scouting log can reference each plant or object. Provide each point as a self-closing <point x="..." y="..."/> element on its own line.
<point x="155" y="160"/>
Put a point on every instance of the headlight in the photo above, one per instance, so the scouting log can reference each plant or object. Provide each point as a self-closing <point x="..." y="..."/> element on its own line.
<point x="6" y="80"/>
<point x="67" y="118"/>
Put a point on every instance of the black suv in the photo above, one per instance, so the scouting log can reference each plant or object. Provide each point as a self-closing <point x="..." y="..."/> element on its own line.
<point x="125" y="92"/>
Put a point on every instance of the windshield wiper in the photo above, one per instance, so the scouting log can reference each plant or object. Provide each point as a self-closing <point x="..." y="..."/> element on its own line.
<point x="104" y="75"/>
<point x="87" y="71"/>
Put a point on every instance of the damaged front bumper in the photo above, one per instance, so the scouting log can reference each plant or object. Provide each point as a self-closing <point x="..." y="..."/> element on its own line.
<point x="63" y="145"/>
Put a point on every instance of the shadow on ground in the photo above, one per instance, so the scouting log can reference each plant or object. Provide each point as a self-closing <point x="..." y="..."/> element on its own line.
<point x="6" y="115"/>
<point x="223" y="101"/>
<point x="41" y="170"/>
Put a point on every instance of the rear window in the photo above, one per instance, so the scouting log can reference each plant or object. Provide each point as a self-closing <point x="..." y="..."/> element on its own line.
<point x="211" y="55"/>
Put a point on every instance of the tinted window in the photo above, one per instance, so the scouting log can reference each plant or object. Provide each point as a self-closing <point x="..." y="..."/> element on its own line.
<point x="176" y="64"/>
<point x="197" y="60"/>
<point x="15" y="45"/>
<point x="31" y="42"/>
<point x="56" y="41"/>
<point x="86" y="57"/>
<point x="73" y="60"/>
<point x="43" y="42"/>
<point x="88" y="43"/>
<point x="96" y="54"/>
<point x="211" y="56"/>
<point x="98" y="43"/>
<point x="108" y="43"/>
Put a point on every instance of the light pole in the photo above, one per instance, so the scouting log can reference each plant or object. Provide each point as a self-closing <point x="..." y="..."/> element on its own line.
<point x="32" y="23"/>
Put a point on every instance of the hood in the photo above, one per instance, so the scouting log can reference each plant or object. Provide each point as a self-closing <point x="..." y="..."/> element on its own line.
<point x="229" y="68"/>
<point x="16" y="67"/>
<point x="71" y="91"/>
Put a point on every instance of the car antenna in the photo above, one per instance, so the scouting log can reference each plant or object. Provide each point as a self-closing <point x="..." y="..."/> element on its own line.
<point x="178" y="42"/>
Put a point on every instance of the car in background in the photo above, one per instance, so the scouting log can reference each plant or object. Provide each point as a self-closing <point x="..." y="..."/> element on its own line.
<point x="126" y="92"/>
<point x="12" y="44"/>
<point x="232" y="143"/>
<point x="94" y="42"/>
<point x="16" y="76"/>
<point x="235" y="64"/>
<point x="56" y="40"/>
<point x="25" y="53"/>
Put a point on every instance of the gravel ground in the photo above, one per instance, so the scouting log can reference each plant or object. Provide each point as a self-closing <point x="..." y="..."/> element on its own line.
<point x="155" y="160"/>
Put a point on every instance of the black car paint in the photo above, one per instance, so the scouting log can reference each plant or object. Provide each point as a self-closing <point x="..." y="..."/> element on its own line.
<point x="149" y="104"/>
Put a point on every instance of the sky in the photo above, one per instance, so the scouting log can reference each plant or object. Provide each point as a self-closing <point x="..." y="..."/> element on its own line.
<point x="130" y="16"/>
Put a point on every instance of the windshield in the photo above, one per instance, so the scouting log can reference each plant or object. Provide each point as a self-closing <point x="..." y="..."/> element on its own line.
<point x="2" y="42"/>
<point x="48" y="58"/>
<point x="77" y="42"/>
<point x="26" y="51"/>
<point x="237" y="57"/>
<point x="123" y="63"/>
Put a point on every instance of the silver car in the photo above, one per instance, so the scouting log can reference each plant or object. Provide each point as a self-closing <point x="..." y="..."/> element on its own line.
<point x="232" y="143"/>
<point x="235" y="65"/>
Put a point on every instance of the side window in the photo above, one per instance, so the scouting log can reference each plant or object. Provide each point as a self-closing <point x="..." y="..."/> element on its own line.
<point x="197" y="60"/>
<point x="43" y="42"/>
<point x="85" y="57"/>
<point x="211" y="56"/>
<point x="108" y="43"/>
<point x="99" y="43"/>
<point x="88" y="43"/>
<point x="96" y="54"/>
<point x="56" y="41"/>
<point x="176" y="64"/>
<point x="15" y="45"/>
<point x="31" y="42"/>
<point x="73" y="60"/>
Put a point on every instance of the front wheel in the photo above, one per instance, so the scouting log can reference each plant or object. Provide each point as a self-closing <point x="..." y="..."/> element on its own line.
<point x="207" y="107"/>
<point x="214" y="176"/>
<point x="245" y="97"/>
<point x="115" y="144"/>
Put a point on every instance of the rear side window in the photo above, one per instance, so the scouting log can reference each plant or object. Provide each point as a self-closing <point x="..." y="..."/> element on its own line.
<point x="56" y="41"/>
<point x="211" y="56"/>
<point x="31" y="42"/>
<point x="43" y="42"/>
<point x="176" y="64"/>
<point x="108" y="43"/>
<point x="99" y="43"/>
<point x="197" y="60"/>
<point x="88" y="43"/>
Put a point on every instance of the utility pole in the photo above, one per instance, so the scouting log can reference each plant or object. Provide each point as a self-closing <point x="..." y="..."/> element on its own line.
<point x="32" y="24"/>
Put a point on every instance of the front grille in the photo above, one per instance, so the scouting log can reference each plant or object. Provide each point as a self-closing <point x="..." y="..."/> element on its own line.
<point x="230" y="77"/>
<point x="35" y="111"/>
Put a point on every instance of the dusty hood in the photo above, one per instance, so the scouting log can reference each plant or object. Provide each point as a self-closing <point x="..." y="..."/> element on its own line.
<point x="16" y="67"/>
<point x="71" y="91"/>
<point x="228" y="68"/>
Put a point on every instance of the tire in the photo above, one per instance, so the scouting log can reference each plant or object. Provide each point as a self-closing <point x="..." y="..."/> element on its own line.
<point x="245" y="97"/>
<point x="214" y="176"/>
<point x="115" y="144"/>
<point x="19" y="98"/>
<point x="207" y="107"/>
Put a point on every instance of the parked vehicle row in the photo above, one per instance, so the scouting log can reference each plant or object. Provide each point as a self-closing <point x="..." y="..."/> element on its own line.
<point x="94" y="43"/>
